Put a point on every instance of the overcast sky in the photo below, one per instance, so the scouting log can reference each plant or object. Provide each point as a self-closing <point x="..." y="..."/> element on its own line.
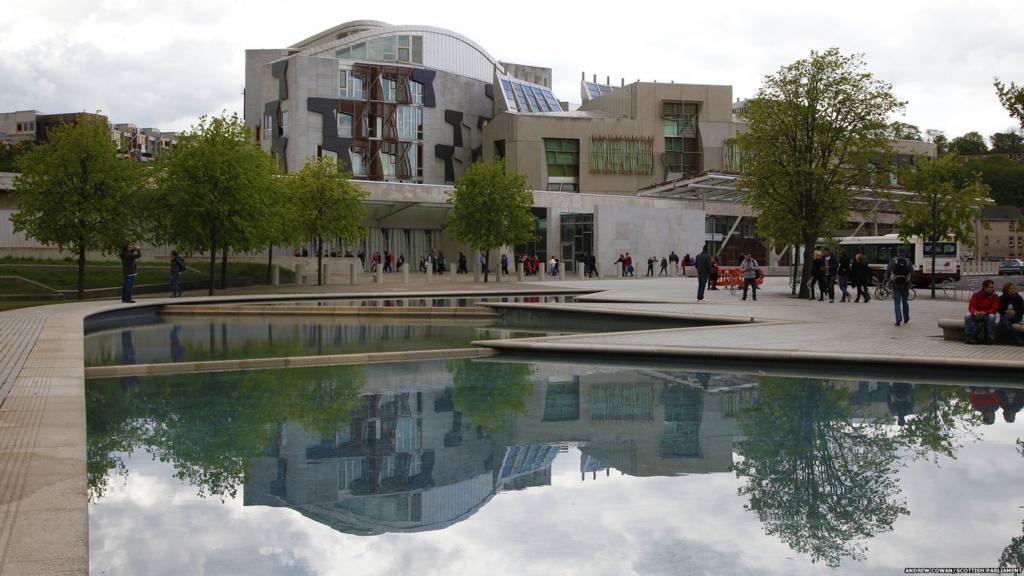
<point x="163" y="64"/>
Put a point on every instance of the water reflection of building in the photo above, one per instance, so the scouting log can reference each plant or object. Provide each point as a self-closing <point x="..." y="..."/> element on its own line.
<point x="409" y="461"/>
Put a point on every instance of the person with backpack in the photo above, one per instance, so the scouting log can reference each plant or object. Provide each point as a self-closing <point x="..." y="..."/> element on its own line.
<point x="177" y="269"/>
<point x="980" y="320"/>
<point x="663" y="271"/>
<point x="898" y="272"/>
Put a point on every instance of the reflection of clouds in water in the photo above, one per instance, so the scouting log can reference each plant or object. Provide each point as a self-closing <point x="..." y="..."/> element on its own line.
<point x="962" y="513"/>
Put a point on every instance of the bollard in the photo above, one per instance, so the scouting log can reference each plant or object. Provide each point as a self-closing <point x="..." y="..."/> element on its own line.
<point x="497" y="271"/>
<point x="430" y="274"/>
<point x="275" y="275"/>
<point x="540" y="273"/>
<point x="476" y="267"/>
<point x="300" y="272"/>
<point x="379" y="275"/>
<point x="519" y="271"/>
<point x="580" y="271"/>
<point x="326" y="273"/>
<point x="353" y="272"/>
<point x="405" y="273"/>
<point x="451" y="272"/>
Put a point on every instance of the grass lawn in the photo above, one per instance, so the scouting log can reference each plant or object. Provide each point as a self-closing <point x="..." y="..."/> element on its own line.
<point x="63" y="274"/>
<point x="15" y="304"/>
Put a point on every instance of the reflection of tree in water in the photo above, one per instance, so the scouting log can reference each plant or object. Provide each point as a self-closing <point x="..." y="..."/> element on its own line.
<point x="819" y="480"/>
<point x="942" y="420"/>
<point x="488" y="393"/>
<point x="210" y="425"/>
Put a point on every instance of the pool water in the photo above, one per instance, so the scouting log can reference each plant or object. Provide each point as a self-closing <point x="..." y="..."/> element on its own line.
<point x="504" y="466"/>
<point x="201" y="338"/>
<point x="435" y="302"/>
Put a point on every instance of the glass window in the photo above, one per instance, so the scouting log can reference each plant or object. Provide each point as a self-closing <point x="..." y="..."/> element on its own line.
<point x="268" y="127"/>
<point x="403" y="54"/>
<point x="359" y="51"/>
<point x="532" y="99"/>
<point x="416" y="92"/>
<point x="408" y="122"/>
<point x="506" y="88"/>
<point x="284" y="123"/>
<point x="403" y="41"/>
<point x="343" y="53"/>
<point x="417" y="49"/>
<point x="521" y="98"/>
<point x="358" y="168"/>
<point x="351" y="86"/>
<point x="389" y="90"/>
<point x="344" y="126"/>
<point x="387" y="165"/>
<point x="562" y="157"/>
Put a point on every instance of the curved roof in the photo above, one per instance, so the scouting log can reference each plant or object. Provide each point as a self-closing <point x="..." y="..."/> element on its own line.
<point x="361" y="30"/>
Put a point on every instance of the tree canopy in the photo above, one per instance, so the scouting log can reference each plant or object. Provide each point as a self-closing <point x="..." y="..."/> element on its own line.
<point x="816" y="128"/>
<point x="216" y="190"/>
<point x="1011" y="96"/>
<point x="970" y="143"/>
<point x="946" y="200"/>
<point x="74" y="193"/>
<point x="327" y="205"/>
<point x="491" y="208"/>
<point x="1010" y="141"/>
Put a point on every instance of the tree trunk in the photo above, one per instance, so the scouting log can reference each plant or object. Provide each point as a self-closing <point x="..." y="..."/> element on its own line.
<point x="270" y="265"/>
<point x="81" y="272"/>
<point x="487" y="264"/>
<point x="805" y="272"/>
<point x="319" y="260"/>
<point x="224" y="268"/>
<point x="933" y="269"/>
<point x="213" y="266"/>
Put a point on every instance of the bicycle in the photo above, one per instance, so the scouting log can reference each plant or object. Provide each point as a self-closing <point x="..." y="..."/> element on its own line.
<point x="883" y="291"/>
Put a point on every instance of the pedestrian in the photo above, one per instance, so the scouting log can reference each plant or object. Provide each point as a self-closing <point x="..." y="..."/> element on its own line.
<point x="816" y="274"/>
<point x="673" y="258"/>
<point x="629" y="265"/>
<point x="462" y="265"/>
<point x="898" y="272"/>
<point x="129" y="254"/>
<point x="860" y="275"/>
<point x="504" y="264"/>
<point x="713" y="280"/>
<point x="177" y="269"/>
<point x="650" y="265"/>
<point x="442" y="263"/>
<point x="400" y="262"/>
<point x="387" y="261"/>
<point x="591" y="266"/>
<point x="664" y="267"/>
<point x="750" y="271"/>
<point x="828" y="271"/>
<point x="622" y="262"/>
<point x="1011" y="306"/>
<point x="703" y="266"/>
<point x="843" y="273"/>
<point x="554" y="266"/>
<point x="687" y="261"/>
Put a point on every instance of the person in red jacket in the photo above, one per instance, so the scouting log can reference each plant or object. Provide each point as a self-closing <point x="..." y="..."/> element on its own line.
<point x="984" y="400"/>
<point x="980" y="321"/>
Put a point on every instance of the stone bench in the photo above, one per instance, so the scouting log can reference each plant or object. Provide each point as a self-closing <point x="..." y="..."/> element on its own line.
<point x="954" y="330"/>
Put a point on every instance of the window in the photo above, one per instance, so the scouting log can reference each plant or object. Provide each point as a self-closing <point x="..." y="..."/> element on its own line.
<point x="284" y="124"/>
<point x="344" y="126"/>
<point x="382" y="49"/>
<point x="416" y="92"/>
<point x="521" y="97"/>
<point x="409" y="121"/>
<point x="387" y="165"/>
<point x="499" y="148"/>
<point x="403" y="49"/>
<point x="268" y="127"/>
<point x="351" y="87"/>
<point x="389" y="90"/>
<point x="510" y="96"/>
<point x="373" y="126"/>
<point x="562" y="156"/>
<point x="621" y="155"/>
<point x="358" y="166"/>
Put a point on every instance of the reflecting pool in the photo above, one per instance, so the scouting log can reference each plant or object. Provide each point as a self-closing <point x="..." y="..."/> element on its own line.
<point x="199" y="338"/>
<point x="501" y="466"/>
<point x="425" y="301"/>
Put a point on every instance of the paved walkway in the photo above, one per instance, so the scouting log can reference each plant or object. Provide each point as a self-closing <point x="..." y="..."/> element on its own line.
<point x="43" y="503"/>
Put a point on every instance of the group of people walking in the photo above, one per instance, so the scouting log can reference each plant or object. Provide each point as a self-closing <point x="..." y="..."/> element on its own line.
<point x="828" y="270"/>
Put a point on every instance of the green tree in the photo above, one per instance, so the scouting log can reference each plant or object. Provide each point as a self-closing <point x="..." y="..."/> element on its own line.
<point x="904" y="131"/>
<point x="488" y="393"/>
<point x="1012" y="98"/>
<point x="216" y="190"/>
<point x="938" y="137"/>
<point x="73" y="192"/>
<point x="1005" y="178"/>
<point x="945" y="202"/>
<point x="327" y="204"/>
<point x="813" y="131"/>
<point x="970" y="143"/>
<point x="943" y="419"/>
<point x="491" y="208"/>
<point x="1009" y="141"/>
<point x="819" y="476"/>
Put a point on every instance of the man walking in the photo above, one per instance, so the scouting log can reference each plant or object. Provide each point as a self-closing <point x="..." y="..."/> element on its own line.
<point x="898" y="273"/>
<point x="673" y="259"/>
<point x="750" y="270"/>
<point x="828" y="271"/>
<point x="129" y="254"/>
<point x="703" y="265"/>
<point x="177" y="269"/>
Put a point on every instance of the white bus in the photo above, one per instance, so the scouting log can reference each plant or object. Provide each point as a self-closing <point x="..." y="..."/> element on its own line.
<point x="878" y="250"/>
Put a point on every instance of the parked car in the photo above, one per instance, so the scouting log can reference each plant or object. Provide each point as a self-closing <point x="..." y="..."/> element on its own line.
<point x="1011" y="266"/>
